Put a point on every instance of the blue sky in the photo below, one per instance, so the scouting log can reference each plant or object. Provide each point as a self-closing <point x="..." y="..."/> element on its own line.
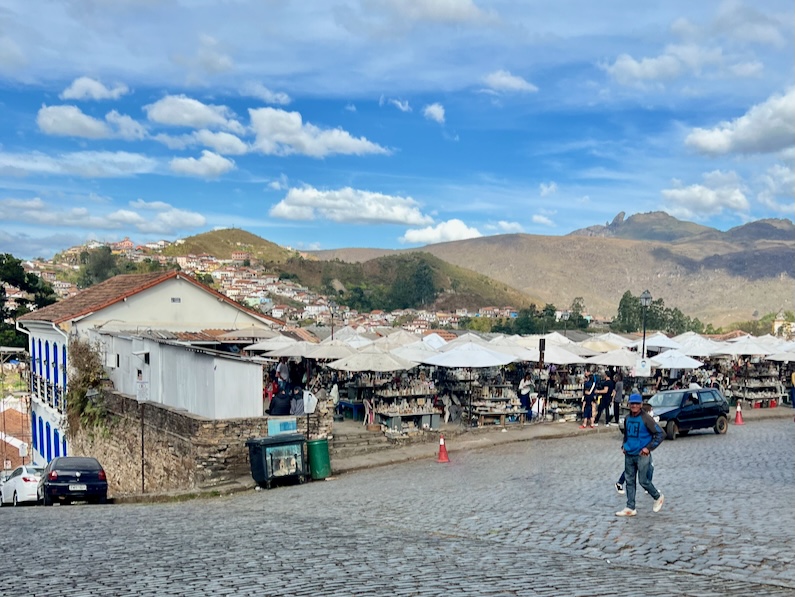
<point x="388" y="123"/>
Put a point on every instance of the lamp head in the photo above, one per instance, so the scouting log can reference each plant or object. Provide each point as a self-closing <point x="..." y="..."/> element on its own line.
<point x="645" y="299"/>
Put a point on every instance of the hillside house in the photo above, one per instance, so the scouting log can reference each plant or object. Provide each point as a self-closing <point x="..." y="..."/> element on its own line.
<point x="168" y="303"/>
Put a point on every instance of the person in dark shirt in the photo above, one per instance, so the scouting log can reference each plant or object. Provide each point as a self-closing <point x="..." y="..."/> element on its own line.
<point x="605" y="394"/>
<point x="588" y="397"/>
<point x="280" y="405"/>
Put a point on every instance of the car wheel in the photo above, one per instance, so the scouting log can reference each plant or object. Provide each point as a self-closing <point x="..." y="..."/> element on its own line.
<point x="1" y="500"/>
<point x="45" y="499"/>
<point x="15" y="500"/>
<point x="672" y="430"/>
<point x="721" y="426"/>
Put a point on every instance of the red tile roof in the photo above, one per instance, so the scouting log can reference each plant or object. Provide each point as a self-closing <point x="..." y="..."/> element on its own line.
<point x="116" y="289"/>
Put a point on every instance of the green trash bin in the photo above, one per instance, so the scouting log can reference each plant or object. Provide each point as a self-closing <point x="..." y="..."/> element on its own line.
<point x="319" y="461"/>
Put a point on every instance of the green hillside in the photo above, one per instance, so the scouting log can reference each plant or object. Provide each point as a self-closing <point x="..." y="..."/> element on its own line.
<point x="221" y="244"/>
<point x="403" y="281"/>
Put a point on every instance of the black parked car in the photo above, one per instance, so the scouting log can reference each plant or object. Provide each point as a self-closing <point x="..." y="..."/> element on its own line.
<point x="680" y="411"/>
<point x="73" y="478"/>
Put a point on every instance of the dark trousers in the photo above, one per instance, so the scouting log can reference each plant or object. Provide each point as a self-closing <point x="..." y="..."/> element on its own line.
<point x="616" y="410"/>
<point x="604" y="407"/>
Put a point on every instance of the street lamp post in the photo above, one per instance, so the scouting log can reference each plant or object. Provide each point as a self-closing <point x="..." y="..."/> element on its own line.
<point x="645" y="303"/>
<point x="565" y="317"/>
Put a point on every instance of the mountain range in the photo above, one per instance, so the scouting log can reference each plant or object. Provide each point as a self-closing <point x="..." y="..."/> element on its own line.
<point x="719" y="277"/>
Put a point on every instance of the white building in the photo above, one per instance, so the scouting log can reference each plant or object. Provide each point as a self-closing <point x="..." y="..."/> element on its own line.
<point x="129" y="303"/>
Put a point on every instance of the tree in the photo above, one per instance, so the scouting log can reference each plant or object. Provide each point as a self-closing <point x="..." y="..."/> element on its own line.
<point x="40" y="295"/>
<point x="628" y="318"/>
<point x="577" y="308"/>
<point x="98" y="265"/>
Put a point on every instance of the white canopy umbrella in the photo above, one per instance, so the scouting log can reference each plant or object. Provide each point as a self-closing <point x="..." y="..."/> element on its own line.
<point x="698" y="346"/>
<point x="469" y="355"/>
<point x="744" y="346"/>
<point x="434" y="340"/>
<point x="613" y="338"/>
<point x="270" y="344"/>
<point x="372" y="359"/>
<point x="619" y="358"/>
<point x="555" y="354"/>
<point x="557" y="338"/>
<point x="336" y="349"/>
<point x="656" y="341"/>
<point x="782" y="357"/>
<point x="674" y="359"/>
<point x="468" y="338"/>
<point x="416" y="351"/>
<point x="399" y="338"/>
<point x="296" y="349"/>
<point x="600" y="345"/>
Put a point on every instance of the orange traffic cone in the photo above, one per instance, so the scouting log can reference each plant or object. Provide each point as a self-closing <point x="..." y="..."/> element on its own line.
<point x="442" y="451"/>
<point x="738" y="415"/>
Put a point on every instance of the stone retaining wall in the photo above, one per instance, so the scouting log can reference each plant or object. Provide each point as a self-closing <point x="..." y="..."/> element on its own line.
<point x="181" y="451"/>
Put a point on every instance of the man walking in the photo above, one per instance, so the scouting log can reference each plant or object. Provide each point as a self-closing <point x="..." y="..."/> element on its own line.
<point x="641" y="436"/>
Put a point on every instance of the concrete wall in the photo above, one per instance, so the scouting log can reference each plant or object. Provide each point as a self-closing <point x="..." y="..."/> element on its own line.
<point x="216" y="387"/>
<point x="181" y="451"/>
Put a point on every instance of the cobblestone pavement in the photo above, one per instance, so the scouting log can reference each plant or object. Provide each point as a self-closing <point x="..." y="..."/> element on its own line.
<point x="531" y="518"/>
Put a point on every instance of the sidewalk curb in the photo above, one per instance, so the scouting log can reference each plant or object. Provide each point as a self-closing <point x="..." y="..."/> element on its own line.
<point x="483" y="438"/>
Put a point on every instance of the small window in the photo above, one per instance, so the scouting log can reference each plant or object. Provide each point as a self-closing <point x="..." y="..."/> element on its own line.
<point x="708" y="397"/>
<point x="176" y="299"/>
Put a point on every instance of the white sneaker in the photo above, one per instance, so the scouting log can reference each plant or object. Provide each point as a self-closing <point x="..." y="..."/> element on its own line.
<point x="619" y="489"/>
<point x="626" y="512"/>
<point x="596" y="425"/>
<point x="608" y="425"/>
<point x="658" y="503"/>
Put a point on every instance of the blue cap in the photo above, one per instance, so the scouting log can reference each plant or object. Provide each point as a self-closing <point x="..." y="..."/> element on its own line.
<point x="636" y="399"/>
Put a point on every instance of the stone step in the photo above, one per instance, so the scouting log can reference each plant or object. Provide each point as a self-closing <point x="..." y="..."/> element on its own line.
<point x="358" y="440"/>
<point x="348" y="451"/>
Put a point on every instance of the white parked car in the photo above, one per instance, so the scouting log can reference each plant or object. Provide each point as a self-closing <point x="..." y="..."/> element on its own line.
<point x="21" y="485"/>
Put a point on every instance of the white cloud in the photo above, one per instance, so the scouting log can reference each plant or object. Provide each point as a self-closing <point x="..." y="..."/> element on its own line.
<point x="69" y="121"/>
<point x="284" y="133"/>
<point x="548" y="189"/>
<point x="765" y="128"/>
<point x="210" y="165"/>
<point x="85" y="88"/>
<point x="439" y="11"/>
<point x="11" y="55"/>
<point x="349" y="205"/>
<point x="778" y="182"/>
<point x="220" y="142"/>
<point x="447" y="231"/>
<point x="402" y="105"/>
<point x="350" y="108"/>
<point x="744" y="23"/>
<point x="502" y="80"/>
<point x="543" y="220"/>
<point x="180" y="110"/>
<point x="434" y="112"/>
<point x="211" y="58"/>
<point x="280" y="183"/>
<point x="259" y="91"/>
<point x="90" y="164"/>
<point x="747" y="69"/>
<point x="510" y="227"/>
<point x="628" y="71"/>
<point x="224" y="143"/>
<point x="720" y="191"/>
<point x="126" y="127"/>
<point x="166" y="220"/>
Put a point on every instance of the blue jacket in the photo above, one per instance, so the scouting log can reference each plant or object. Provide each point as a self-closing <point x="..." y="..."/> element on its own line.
<point x="641" y="431"/>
